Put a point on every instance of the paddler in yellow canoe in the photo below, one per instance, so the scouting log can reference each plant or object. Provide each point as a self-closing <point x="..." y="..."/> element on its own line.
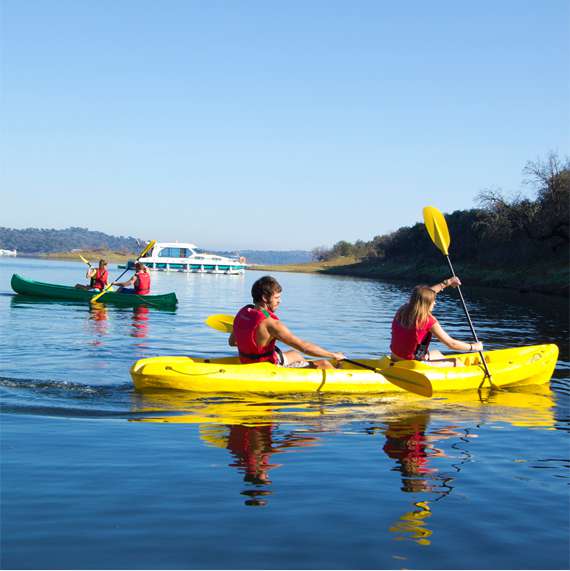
<point x="256" y="330"/>
<point x="414" y="325"/>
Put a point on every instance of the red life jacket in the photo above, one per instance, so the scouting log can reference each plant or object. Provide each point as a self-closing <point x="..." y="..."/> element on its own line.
<point x="406" y="341"/>
<point x="246" y="323"/>
<point x="142" y="283"/>
<point x="99" y="280"/>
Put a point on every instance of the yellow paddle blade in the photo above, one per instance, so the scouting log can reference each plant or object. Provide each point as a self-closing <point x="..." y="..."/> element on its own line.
<point x="436" y="227"/>
<point x="412" y="381"/>
<point x="149" y="247"/>
<point x="221" y="322"/>
<point x="85" y="261"/>
<point x="96" y="297"/>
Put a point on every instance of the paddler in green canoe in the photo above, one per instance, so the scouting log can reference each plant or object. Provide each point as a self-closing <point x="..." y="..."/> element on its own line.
<point x="257" y="328"/>
<point x="140" y="282"/>
<point x="98" y="277"/>
<point x="414" y="326"/>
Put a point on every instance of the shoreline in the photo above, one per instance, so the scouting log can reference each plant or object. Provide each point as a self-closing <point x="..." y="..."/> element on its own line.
<point x="92" y="255"/>
<point x="538" y="279"/>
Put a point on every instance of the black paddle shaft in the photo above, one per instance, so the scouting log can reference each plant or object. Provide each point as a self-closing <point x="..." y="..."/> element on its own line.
<point x="362" y="365"/>
<point x="488" y="374"/>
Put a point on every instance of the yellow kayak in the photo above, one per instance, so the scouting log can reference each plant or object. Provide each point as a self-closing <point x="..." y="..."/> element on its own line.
<point x="518" y="366"/>
<point x="532" y="365"/>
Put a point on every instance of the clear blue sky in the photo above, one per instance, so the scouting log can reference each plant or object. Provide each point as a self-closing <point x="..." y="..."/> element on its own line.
<point x="272" y="125"/>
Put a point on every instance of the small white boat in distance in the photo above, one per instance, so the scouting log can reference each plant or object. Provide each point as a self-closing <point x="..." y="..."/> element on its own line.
<point x="8" y="253"/>
<point x="186" y="257"/>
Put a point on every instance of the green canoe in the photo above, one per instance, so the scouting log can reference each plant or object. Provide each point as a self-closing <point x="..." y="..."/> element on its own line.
<point x="53" y="291"/>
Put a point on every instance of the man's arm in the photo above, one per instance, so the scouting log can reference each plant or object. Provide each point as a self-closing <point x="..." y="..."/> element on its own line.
<point x="282" y="333"/>
<point x="127" y="283"/>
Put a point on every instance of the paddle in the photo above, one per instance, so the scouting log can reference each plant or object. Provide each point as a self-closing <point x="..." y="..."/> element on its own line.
<point x="416" y="383"/>
<point x="147" y="248"/>
<point x="436" y="227"/>
<point x="221" y="322"/>
<point x="85" y="261"/>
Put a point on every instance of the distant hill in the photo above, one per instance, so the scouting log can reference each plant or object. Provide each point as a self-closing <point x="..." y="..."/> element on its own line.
<point x="270" y="257"/>
<point x="49" y="240"/>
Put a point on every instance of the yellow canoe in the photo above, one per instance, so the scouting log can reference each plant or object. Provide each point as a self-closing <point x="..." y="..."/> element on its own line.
<point x="518" y="366"/>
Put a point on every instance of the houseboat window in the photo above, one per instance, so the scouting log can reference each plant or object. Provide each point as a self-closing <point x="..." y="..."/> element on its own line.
<point x="166" y="253"/>
<point x="183" y="253"/>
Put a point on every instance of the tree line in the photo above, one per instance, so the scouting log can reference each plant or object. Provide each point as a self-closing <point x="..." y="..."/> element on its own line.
<point x="46" y="240"/>
<point x="501" y="232"/>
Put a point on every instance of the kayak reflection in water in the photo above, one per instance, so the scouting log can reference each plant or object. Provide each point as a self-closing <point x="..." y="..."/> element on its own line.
<point x="140" y="281"/>
<point x="257" y="328"/>
<point x="414" y="326"/>
<point x="252" y="448"/>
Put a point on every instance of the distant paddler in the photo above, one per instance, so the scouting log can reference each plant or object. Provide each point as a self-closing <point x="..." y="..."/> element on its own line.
<point x="414" y="326"/>
<point x="140" y="281"/>
<point x="98" y="277"/>
<point x="256" y="328"/>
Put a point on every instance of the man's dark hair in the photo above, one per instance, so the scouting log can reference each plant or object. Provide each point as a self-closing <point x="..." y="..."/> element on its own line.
<point x="264" y="287"/>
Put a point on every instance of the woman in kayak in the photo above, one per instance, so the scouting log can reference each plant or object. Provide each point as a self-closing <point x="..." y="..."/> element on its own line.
<point x="140" y="282"/>
<point x="98" y="277"/>
<point x="414" y="326"/>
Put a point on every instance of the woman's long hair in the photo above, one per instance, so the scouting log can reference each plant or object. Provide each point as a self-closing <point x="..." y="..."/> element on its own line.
<point x="417" y="311"/>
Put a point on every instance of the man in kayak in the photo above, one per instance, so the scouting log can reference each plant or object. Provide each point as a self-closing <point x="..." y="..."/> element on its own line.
<point x="257" y="328"/>
<point x="140" y="282"/>
<point x="98" y="277"/>
<point x="414" y="325"/>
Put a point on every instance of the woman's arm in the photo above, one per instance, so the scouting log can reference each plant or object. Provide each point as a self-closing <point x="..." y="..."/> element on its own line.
<point x="452" y="343"/>
<point x="453" y="282"/>
<point x="232" y="340"/>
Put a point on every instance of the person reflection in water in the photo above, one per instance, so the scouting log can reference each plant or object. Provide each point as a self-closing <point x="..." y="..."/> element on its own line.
<point x="406" y="443"/>
<point x="252" y="448"/>
<point x="140" y="321"/>
<point x="98" y="317"/>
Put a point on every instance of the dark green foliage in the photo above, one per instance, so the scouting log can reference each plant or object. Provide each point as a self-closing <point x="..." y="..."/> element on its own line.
<point x="46" y="240"/>
<point x="500" y="234"/>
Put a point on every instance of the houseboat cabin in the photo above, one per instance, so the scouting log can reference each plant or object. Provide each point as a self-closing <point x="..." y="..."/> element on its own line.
<point x="186" y="257"/>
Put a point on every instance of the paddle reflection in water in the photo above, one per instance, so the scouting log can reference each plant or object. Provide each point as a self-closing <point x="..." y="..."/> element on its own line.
<point x="409" y="445"/>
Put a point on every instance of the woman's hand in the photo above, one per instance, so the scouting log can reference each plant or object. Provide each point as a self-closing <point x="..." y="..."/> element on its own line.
<point x="452" y="282"/>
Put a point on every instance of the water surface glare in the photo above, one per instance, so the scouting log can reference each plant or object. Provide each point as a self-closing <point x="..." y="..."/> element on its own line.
<point x="97" y="476"/>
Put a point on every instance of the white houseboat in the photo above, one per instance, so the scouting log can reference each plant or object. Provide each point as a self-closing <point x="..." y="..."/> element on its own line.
<point x="8" y="252"/>
<point x="186" y="257"/>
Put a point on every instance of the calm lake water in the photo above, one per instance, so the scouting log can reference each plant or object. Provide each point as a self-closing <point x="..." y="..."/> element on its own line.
<point x="97" y="476"/>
